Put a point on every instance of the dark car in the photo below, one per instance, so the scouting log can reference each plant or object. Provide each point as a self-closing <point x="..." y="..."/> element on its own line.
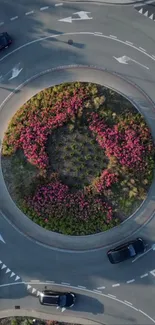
<point x="58" y="299"/>
<point x="126" y="251"/>
<point x="5" y="40"/>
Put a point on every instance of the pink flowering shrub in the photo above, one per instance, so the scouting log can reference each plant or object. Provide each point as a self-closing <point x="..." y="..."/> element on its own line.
<point x="105" y="181"/>
<point x="128" y="141"/>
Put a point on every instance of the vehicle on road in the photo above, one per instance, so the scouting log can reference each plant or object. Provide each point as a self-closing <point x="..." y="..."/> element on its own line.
<point x="126" y="251"/>
<point x="58" y="299"/>
<point x="5" y="40"/>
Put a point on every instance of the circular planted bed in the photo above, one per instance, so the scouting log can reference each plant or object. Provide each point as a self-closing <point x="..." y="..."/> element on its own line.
<point x="78" y="158"/>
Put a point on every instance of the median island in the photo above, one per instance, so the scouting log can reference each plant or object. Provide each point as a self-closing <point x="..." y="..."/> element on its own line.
<point x="78" y="158"/>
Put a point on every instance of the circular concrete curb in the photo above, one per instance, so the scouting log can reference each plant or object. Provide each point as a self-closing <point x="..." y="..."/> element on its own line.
<point x="8" y="208"/>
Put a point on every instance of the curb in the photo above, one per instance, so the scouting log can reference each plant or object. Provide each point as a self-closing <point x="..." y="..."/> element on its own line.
<point x="110" y="3"/>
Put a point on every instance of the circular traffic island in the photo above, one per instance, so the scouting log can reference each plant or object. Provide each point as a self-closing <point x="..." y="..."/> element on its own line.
<point x="78" y="158"/>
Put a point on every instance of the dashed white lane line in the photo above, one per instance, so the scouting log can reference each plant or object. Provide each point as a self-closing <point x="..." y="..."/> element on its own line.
<point x="97" y="291"/>
<point x="127" y="302"/>
<point x="44" y="8"/>
<point x="81" y="287"/>
<point x="129" y="42"/>
<point x="141" y="48"/>
<point x="29" y="13"/>
<point x="130" y="281"/>
<point x="116" y="285"/>
<point x="2" y="23"/>
<point x="14" y="18"/>
<point x="58" y="4"/>
<point x="143" y="275"/>
<point x="65" y="283"/>
<point x="111" y="296"/>
<point x="101" y="288"/>
<point x="113" y="36"/>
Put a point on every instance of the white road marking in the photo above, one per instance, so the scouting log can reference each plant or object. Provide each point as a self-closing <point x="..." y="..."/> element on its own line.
<point x="81" y="287"/>
<point x="76" y="33"/>
<point x="34" y="290"/>
<point x="66" y="283"/>
<point x="129" y="303"/>
<point x="153" y="272"/>
<point x="44" y="8"/>
<point x="100" y="288"/>
<point x="29" y="13"/>
<point x="97" y="33"/>
<point x="144" y="275"/>
<point x="48" y="281"/>
<point x="1" y="239"/>
<point x="146" y="13"/>
<point x="148" y="250"/>
<point x="129" y="42"/>
<point x="141" y="48"/>
<point x="3" y="267"/>
<point x="153" y="56"/>
<point x="125" y="59"/>
<point x="113" y="36"/>
<point x="1" y="262"/>
<point x="15" y="72"/>
<point x="14" y="18"/>
<point x="130" y="281"/>
<point x="29" y="287"/>
<point x="35" y="281"/>
<point x="83" y="15"/>
<point x="2" y="23"/>
<point x="116" y="285"/>
<point x="38" y="293"/>
<point x="111" y="296"/>
<point x="141" y="11"/>
<point x="17" y="278"/>
<point x="8" y="270"/>
<point x="12" y="274"/>
<point x="97" y="291"/>
<point x="58" y="4"/>
<point x="152" y="16"/>
<point x="153" y="320"/>
<point x="87" y="290"/>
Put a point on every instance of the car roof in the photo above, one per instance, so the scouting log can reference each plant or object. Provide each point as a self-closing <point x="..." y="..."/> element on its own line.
<point x="119" y="255"/>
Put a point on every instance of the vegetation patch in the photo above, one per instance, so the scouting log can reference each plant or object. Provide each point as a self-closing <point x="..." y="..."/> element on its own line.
<point x="78" y="158"/>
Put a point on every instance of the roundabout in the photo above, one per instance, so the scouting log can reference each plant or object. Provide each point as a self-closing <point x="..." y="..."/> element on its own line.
<point x="29" y="259"/>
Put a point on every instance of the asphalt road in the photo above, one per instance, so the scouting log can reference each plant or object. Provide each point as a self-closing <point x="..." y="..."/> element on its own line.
<point x="125" y="293"/>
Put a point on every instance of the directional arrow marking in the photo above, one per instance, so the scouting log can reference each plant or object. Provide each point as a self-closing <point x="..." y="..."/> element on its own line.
<point x="1" y="238"/>
<point x="125" y="59"/>
<point x="82" y="16"/>
<point x="15" y="72"/>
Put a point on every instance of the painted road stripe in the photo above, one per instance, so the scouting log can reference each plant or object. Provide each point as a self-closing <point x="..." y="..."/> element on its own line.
<point x="44" y="8"/>
<point x="130" y="281"/>
<point x="141" y="48"/>
<point x="113" y="36"/>
<point x="49" y="281"/>
<point x="129" y="42"/>
<point x="17" y="278"/>
<point x="144" y="275"/>
<point x="146" y="315"/>
<point x="58" y="4"/>
<point x="2" y="23"/>
<point x="34" y="290"/>
<point x="65" y="283"/>
<point x="8" y="270"/>
<point x="97" y="291"/>
<point x="35" y="281"/>
<point x="111" y="296"/>
<point x="116" y="285"/>
<point x="29" y="287"/>
<point x="129" y="303"/>
<point x="13" y="18"/>
<point x="98" y="33"/>
<point x="3" y="267"/>
<point x="100" y="288"/>
<point x="81" y="287"/>
<point x="29" y="13"/>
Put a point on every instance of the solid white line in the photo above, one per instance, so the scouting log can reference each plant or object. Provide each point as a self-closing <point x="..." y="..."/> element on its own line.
<point x="111" y="296"/>
<point x="144" y="275"/>
<point x="75" y="33"/>
<point x="129" y="42"/>
<point x="128" y="302"/>
<point x="35" y="281"/>
<point x="130" y="281"/>
<point x="58" y="4"/>
<point x="81" y="287"/>
<point x="100" y="288"/>
<point x="44" y="8"/>
<point x="66" y="283"/>
<point x="2" y="23"/>
<point x="141" y="48"/>
<point x="98" y="33"/>
<point x="13" y="18"/>
<point x="153" y="56"/>
<point x="29" y="13"/>
<point x="50" y="282"/>
<point x="153" y="320"/>
<point x="113" y="36"/>
<point x="116" y="285"/>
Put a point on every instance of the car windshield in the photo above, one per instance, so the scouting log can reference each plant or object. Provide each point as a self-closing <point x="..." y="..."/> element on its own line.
<point x="62" y="301"/>
<point x="131" y="250"/>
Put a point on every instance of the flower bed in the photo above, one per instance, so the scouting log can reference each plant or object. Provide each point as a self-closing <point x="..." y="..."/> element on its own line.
<point x="90" y="155"/>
